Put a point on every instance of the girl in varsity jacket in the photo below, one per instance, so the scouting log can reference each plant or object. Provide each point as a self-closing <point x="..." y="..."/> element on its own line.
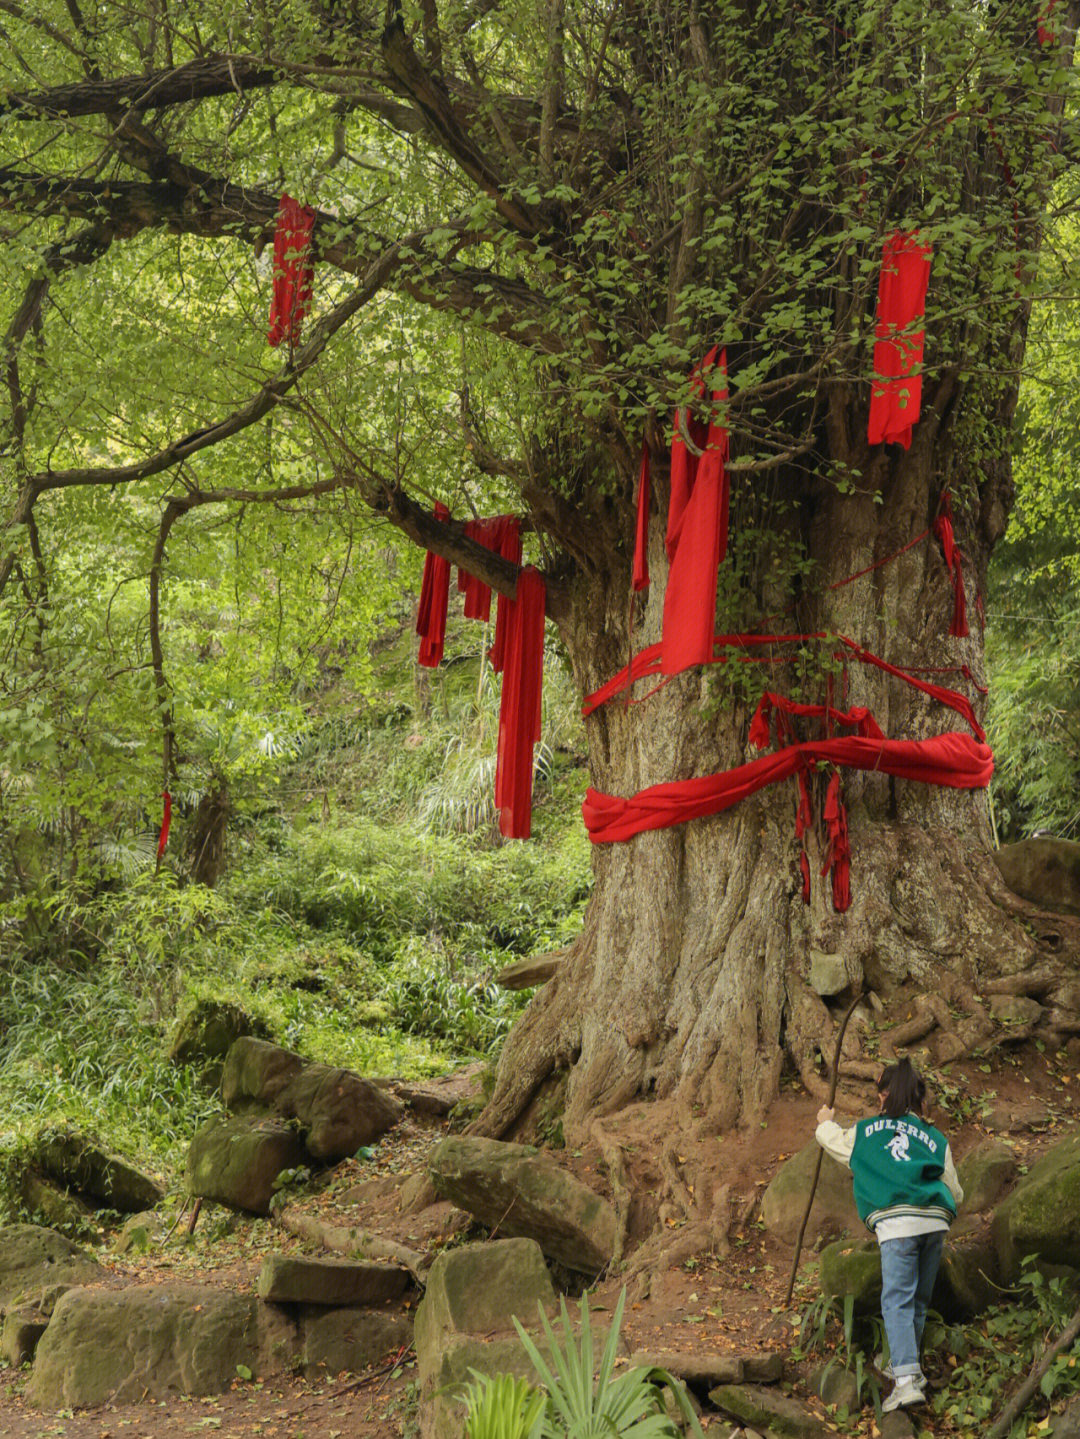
<point x="906" y="1191"/>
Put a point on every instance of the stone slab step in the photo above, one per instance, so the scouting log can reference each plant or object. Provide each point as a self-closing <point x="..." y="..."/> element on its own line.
<point x="285" y="1278"/>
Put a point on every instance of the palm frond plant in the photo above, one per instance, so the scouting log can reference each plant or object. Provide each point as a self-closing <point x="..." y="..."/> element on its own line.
<point x="583" y="1404"/>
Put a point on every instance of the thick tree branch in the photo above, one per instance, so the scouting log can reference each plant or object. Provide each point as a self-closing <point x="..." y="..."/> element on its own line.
<point x="430" y="96"/>
<point x="210" y="207"/>
<point x="197" y="80"/>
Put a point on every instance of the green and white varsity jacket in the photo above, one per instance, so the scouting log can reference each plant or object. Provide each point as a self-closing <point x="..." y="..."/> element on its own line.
<point x="902" y="1169"/>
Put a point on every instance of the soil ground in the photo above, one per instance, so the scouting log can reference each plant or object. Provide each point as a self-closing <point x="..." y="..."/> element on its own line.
<point x="707" y="1303"/>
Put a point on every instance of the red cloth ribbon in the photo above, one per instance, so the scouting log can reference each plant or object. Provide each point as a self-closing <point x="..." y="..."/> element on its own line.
<point x="509" y="547"/>
<point x="294" y="270"/>
<point x="1047" y="32"/>
<point x="951" y="759"/>
<point x="838" y="854"/>
<point x="519" y="710"/>
<point x="647" y="662"/>
<point x="857" y="718"/>
<point x="641" y="535"/>
<point x="896" y="397"/>
<point x="501" y="534"/>
<point x="943" y="528"/>
<point x="166" y="820"/>
<point x="697" y="525"/>
<point x="434" y="595"/>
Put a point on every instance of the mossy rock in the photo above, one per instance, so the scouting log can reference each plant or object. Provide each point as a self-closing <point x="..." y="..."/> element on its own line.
<point x="853" y="1267"/>
<point x="34" y="1260"/>
<point x="985" y="1173"/>
<point x="1042" y="1214"/>
<point x="236" y="1160"/>
<point x="205" y="1032"/>
<point x="784" y="1202"/>
<point x="78" y="1162"/>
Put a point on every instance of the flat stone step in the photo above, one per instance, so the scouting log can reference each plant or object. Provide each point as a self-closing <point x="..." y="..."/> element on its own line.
<point x="714" y="1369"/>
<point x="288" y="1279"/>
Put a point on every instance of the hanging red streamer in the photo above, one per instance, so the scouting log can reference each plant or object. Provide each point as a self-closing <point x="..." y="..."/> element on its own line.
<point x="500" y="533"/>
<point x="509" y="546"/>
<point x="641" y="534"/>
<point x="166" y="820"/>
<point x="697" y="524"/>
<point x="1046" y="27"/>
<point x="434" y="596"/>
<point x="294" y="270"/>
<point x="896" y="397"/>
<point x="943" y="529"/>
<point x="519" y="710"/>
<point x="953" y="759"/>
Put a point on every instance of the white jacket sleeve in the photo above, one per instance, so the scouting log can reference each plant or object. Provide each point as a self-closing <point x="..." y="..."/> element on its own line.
<point x="836" y="1141"/>
<point x="950" y="1177"/>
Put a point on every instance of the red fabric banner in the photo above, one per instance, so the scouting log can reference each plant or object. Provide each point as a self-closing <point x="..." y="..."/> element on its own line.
<point x="166" y="821"/>
<point x="434" y="596"/>
<point x="641" y="534"/>
<point x="697" y="526"/>
<point x="951" y="759"/>
<point x="943" y="528"/>
<point x="1047" y="26"/>
<point x="509" y="546"/>
<point x="896" y="396"/>
<point x="519" y="710"/>
<point x="294" y="271"/>
<point x="501" y="534"/>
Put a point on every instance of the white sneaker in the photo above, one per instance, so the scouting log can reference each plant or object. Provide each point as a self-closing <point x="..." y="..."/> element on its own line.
<point x="906" y="1391"/>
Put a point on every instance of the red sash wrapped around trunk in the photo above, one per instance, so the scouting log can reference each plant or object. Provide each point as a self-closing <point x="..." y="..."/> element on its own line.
<point x="697" y="527"/>
<point x="434" y="595"/>
<point x="294" y="271"/>
<point x="943" y="528"/>
<point x="951" y="759"/>
<point x="519" y="711"/>
<point x="896" y="397"/>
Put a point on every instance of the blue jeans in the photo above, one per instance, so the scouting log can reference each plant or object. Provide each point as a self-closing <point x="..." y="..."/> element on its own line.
<point x="908" y="1269"/>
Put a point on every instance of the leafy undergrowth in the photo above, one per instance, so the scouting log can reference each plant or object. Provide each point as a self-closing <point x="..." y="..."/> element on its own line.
<point x="362" y="919"/>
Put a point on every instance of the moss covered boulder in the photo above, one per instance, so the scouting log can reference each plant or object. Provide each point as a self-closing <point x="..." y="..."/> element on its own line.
<point x="337" y="1110"/>
<point x="155" y="1342"/>
<point x="1042" y="1214"/>
<point x="526" y="1194"/>
<point x="853" y="1267"/>
<point x="985" y="1173"/>
<point x="34" y="1260"/>
<point x="784" y="1202"/>
<point x="236" y="1160"/>
<point x="207" y="1030"/>
<point x="77" y="1161"/>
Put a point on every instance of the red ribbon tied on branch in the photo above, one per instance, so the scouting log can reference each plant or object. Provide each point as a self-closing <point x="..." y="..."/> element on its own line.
<point x="294" y="271"/>
<point x="166" y="820"/>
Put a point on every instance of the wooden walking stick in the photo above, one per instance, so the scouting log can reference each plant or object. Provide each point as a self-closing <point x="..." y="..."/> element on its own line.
<point x="821" y="1153"/>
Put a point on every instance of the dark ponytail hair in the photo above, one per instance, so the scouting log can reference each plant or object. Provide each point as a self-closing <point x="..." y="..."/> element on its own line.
<point x="903" y="1088"/>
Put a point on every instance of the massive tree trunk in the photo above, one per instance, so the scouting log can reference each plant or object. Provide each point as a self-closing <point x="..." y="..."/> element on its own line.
<point x="692" y="976"/>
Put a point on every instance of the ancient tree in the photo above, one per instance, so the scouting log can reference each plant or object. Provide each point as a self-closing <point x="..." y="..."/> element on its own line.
<point x="587" y="197"/>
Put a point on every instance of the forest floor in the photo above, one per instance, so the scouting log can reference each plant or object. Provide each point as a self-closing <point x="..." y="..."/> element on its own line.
<point x="708" y="1303"/>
